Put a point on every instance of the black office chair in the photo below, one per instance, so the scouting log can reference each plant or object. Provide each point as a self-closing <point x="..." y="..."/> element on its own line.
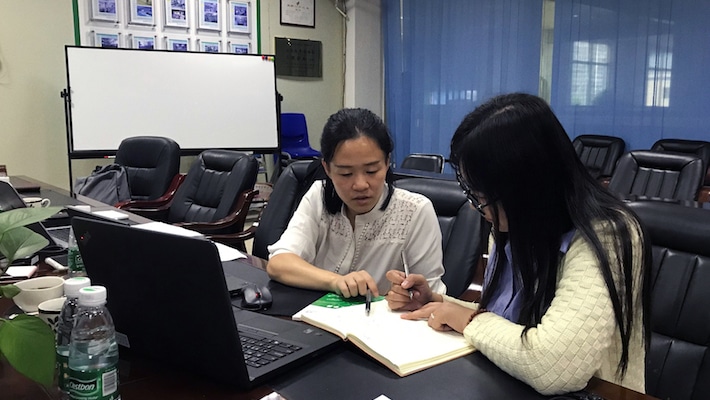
<point x="599" y="153"/>
<point x="678" y="360"/>
<point x="464" y="232"/>
<point x="659" y="175"/>
<point x="292" y="184"/>
<point x="699" y="148"/>
<point x="151" y="163"/>
<point x="213" y="199"/>
<point x="424" y="162"/>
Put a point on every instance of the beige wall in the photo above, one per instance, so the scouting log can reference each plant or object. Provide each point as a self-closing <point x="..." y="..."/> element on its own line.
<point x="32" y="38"/>
<point x="317" y="98"/>
<point x="33" y="34"/>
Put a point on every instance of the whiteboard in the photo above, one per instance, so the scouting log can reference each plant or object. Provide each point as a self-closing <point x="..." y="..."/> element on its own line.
<point x="200" y="100"/>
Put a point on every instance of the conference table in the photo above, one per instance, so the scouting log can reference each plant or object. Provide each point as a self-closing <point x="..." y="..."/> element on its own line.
<point x="344" y="373"/>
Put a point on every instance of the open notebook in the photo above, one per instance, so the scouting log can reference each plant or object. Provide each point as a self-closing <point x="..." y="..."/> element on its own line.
<point x="404" y="346"/>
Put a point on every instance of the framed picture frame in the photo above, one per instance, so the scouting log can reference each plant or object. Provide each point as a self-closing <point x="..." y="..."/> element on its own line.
<point x="239" y="14"/>
<point x="141" y="12"/>
<point x="239" y="47"/>
<point x="177" y="44"/>
<point x="210" y="46"/>
<point x="104" y="10"/>
<point x="108" y="40"/>
<point x="298" y="13"/>
<point x="208" y="15"/>
<point x="176" y="13"/>
<point x="142" y="42"/>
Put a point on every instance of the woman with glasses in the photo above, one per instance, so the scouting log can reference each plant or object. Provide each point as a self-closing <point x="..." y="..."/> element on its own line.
<point x="354" y="226"/>
<point x="565" y="294"/>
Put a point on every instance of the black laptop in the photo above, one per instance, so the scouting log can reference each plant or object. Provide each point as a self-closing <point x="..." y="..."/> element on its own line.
<point x="169" y="301"/>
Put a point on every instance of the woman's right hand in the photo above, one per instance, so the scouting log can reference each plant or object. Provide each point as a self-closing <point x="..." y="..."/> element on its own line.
<point x="354" y="284"/>
<point x="399" y="298"/>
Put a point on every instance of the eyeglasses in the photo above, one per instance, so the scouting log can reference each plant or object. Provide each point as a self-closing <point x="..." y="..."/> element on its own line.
<point x="469" y="194"/>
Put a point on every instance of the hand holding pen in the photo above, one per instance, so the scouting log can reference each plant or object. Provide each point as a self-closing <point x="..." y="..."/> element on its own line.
<point x="414" y="285"/>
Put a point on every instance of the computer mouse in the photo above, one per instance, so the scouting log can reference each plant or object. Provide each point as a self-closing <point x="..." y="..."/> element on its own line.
<point x="256" y="297"/>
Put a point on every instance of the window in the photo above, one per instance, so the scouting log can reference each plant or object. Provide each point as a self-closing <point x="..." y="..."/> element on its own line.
<point x="590" y="72"/>
<point x="658" y="75"/>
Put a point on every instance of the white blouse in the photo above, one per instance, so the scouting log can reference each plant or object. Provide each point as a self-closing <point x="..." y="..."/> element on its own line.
<point x="408" y="226"/>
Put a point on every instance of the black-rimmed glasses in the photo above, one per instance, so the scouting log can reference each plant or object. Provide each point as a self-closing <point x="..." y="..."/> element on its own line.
<point x="469" y="194"/>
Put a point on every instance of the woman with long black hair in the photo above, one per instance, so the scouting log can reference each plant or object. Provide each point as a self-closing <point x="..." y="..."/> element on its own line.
<point x="565" y="294"/>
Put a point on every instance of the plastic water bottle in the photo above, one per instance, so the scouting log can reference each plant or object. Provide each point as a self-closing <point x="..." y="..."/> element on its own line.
<point x="76" y="264"/>
<point x="64" y="328"/>
<point x="93" y="351"/>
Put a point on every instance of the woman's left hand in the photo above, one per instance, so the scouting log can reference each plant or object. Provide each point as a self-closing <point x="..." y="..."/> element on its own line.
<point x="444" y="316"/>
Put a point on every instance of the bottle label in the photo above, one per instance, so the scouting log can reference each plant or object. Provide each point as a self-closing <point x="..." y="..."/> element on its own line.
<point x="76" y="264"/>
<point x="95" y="384"/>
<point x="63" y="371"/>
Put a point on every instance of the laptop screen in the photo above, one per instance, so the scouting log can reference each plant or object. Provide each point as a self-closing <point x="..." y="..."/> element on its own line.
<point x="169" y="301"/>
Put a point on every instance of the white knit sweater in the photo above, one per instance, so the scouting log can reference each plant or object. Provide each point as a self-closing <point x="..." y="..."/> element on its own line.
<point x="577" y="337"/>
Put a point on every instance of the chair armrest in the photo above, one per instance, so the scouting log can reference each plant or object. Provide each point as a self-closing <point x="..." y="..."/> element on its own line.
<point x="236" y="239"/>
<point x="161" y="203"/>
<point x="704" y="194"/>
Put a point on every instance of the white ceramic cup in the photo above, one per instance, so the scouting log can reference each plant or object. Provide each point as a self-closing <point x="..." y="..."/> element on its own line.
<point x="36" y="202"/>
<point x="36" y="290"/>
<point x="48" y="311"/>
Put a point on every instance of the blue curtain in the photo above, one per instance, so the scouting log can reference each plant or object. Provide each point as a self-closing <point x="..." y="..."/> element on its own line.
<point x="634" y="69"/>
<point x="443" y="58"/>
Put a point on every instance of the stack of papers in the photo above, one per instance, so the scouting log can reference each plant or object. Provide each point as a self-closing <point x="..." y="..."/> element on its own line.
<point x="19" y="272"/>
<point x="226" y="253"/>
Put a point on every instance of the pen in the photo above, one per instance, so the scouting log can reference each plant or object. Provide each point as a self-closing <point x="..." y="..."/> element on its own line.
<point x="54" y="264"/>
<point x="368" y="301"/>
<point x="406" y="272"/>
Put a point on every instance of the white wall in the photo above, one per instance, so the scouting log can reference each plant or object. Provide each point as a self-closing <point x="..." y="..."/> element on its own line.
<point x="364" y="72"/>
<point x="33" y="34"/>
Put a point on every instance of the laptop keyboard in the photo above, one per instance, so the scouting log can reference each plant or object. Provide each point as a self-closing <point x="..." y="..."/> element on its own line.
<point x="260" y="351"/>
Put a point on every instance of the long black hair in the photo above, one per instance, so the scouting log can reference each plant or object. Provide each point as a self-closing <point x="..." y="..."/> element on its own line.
<point x="513" y="150"/>
<point x="351" y="123"/>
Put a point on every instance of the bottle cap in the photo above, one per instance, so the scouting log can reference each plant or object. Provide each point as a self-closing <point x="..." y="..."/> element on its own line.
<point x="92" y="296"/>
<point x="72" y="285"/>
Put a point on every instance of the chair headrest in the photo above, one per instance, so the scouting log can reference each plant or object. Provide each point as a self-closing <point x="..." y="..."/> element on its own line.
<point x="681" y="145"/>
<point x="699" y="148"/>
<point x="446" y="196"/>
<point x="675" y="226"/>
<point x="221" y="160"/>
<point x="600" y="140"/>
<point x="147" y="151"/>
<point x="662" y="160"/>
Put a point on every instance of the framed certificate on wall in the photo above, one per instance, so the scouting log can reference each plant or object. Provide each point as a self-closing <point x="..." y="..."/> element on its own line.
<point x="298" y="12"/>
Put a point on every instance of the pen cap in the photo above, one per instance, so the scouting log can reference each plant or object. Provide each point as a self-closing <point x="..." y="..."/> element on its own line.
<point x="72" y="285"/>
